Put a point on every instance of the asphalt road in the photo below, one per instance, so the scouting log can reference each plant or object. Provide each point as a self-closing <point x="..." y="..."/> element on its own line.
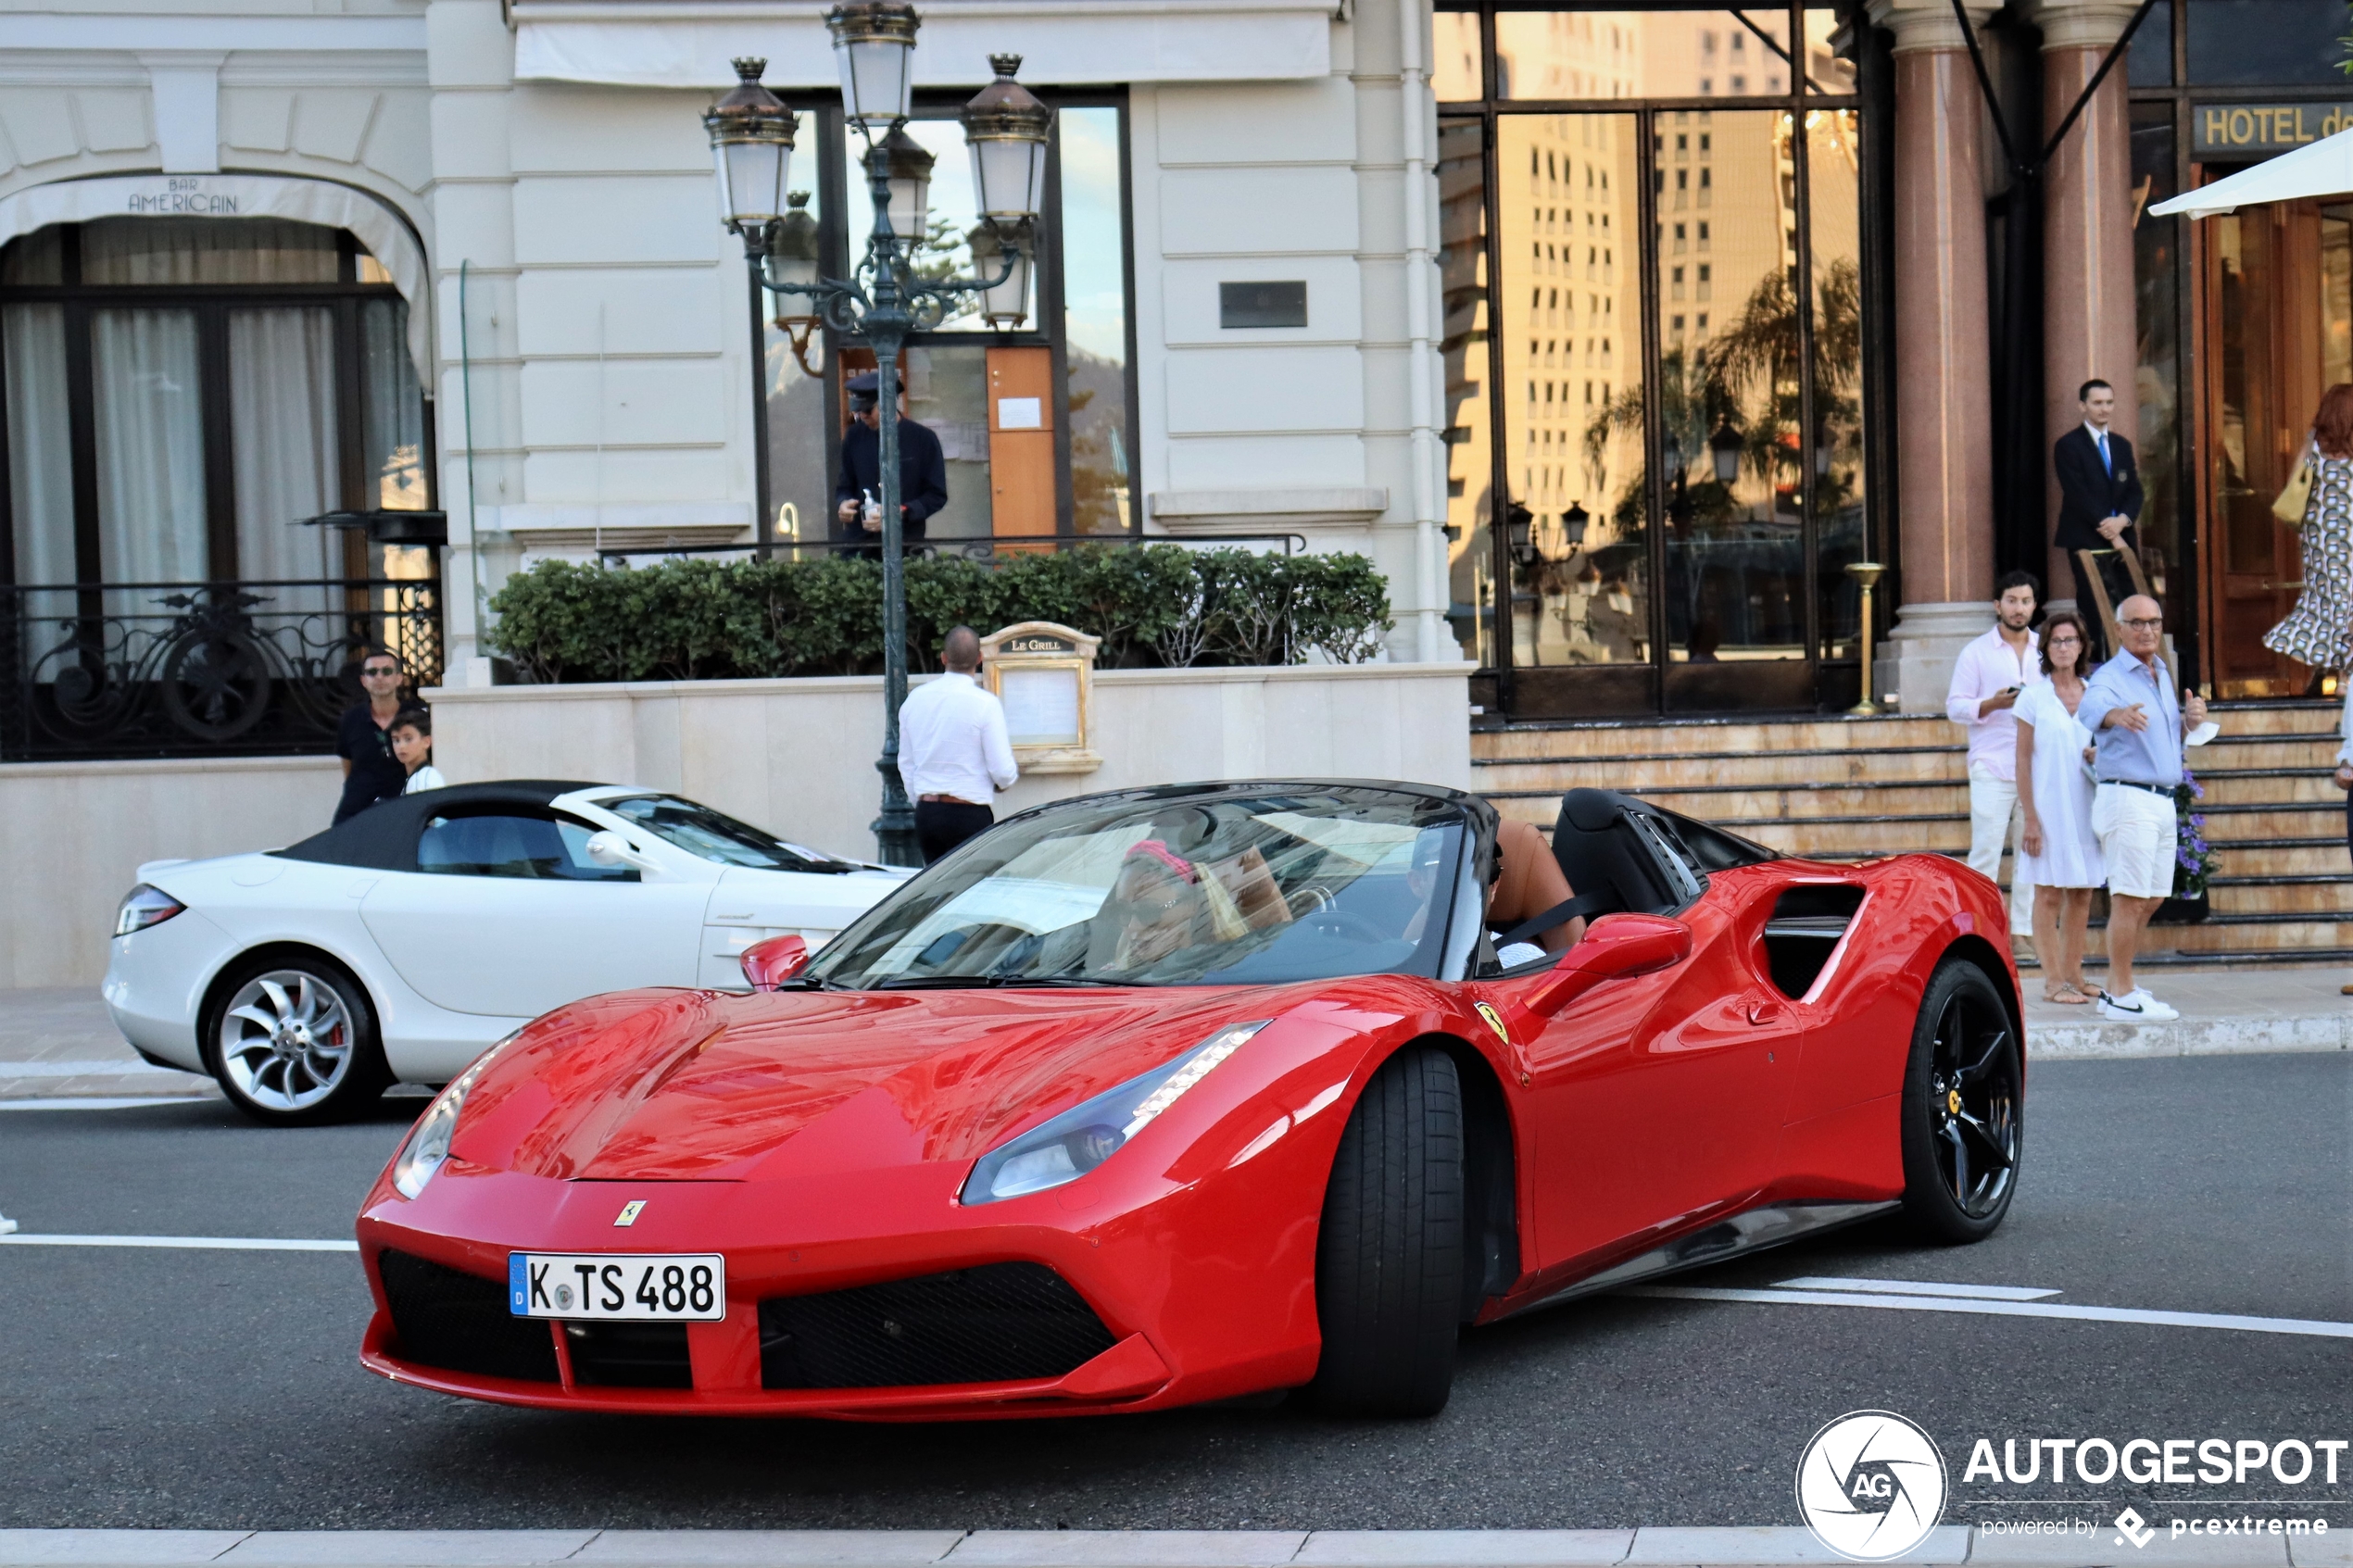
<point x="222" y="1389"/>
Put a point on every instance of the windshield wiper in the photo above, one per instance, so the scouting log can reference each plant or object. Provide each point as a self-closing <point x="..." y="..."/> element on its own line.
<point x="984" y="982"/>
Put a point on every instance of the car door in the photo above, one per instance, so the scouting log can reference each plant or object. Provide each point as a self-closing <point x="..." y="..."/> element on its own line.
<point x="750" y="905"/>
<point x="1657" y="1099"/>
<point x="506" y="914"/>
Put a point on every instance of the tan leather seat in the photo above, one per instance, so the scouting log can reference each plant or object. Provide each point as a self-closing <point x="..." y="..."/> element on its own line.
<point x="1531" y="883"/>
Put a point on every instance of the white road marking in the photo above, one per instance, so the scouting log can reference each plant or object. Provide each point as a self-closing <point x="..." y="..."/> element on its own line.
<point x="2000" y="1308"/>
<point x="201" y="1243"/>
<point x="100" y="1068"/>
<point x="117" y="1102"/>
<point x="1915" y="1287"/>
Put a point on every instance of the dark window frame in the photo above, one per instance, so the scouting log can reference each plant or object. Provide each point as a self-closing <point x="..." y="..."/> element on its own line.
<point x="211" y="303"/>
<point x="829" y="146"/>
<point x="1651" y="159"/>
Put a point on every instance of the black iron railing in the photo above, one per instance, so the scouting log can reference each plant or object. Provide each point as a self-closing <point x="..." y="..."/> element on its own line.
<point x="126" y="669"/>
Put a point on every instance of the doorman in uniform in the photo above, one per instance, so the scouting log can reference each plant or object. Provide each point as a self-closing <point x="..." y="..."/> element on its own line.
<point x="923" y="471"/>
<point x="2099" y="503"/>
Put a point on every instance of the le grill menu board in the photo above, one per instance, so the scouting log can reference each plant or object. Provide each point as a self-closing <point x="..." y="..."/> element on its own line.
<point x="1041" y="705"/>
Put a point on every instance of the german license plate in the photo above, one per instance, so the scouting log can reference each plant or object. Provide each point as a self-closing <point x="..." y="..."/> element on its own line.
<point x="605" y="1288"/>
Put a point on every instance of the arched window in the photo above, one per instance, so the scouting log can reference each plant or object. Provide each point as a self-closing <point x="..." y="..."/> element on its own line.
<point x="180" y="395"/>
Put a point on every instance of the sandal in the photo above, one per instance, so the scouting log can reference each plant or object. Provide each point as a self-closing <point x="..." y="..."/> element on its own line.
<point x="2065" y="994"/>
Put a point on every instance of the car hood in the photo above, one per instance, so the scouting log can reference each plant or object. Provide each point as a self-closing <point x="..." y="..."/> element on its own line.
<point x="653" y="1086"/>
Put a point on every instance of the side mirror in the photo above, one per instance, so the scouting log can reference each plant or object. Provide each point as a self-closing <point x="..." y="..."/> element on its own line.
<point x="770" y="963"/>
<point x="609" y="848"/>
<point x="1612" y="948"/>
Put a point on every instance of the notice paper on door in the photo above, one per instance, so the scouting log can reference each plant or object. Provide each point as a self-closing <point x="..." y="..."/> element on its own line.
<point x="1020" y="413"/>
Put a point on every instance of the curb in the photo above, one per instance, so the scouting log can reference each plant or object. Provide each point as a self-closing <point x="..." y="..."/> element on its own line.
<point x="1750" y="1546"/>
<point x="2094" y="1041"/>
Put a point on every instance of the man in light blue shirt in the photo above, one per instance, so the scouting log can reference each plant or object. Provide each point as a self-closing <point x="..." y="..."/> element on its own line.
<point x="2136" y="728"/>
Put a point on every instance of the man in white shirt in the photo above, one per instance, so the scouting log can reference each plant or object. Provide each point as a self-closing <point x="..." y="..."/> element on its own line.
<point x="953" y="754"/>
<point x="1987" y="680"/>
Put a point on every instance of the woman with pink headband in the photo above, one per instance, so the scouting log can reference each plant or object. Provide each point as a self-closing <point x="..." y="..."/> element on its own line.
<point x="1163" y="903"/>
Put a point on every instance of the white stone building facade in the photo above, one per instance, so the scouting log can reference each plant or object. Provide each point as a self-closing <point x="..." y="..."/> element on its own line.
<point x="532" y="181"/>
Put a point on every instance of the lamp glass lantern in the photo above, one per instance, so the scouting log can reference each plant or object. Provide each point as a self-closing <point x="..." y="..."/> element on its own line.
<point x="751" y="143"/>
<point x="874" y="47"/>
<point x="1573" y="522"/>
<point x="1007" y="305"/>
<point x="794" y="256"/>
<point x="1726" y="447"/>
<point x="1006" y="127"/>
<point x="1520" y="525"/>
<point x="909" y="162"/>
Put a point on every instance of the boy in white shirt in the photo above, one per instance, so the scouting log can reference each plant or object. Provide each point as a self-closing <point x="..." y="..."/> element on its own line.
<point x="412" y="737"/>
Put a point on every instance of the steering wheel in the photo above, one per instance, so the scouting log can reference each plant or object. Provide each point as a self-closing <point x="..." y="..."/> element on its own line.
<point x="1341" y="922"/>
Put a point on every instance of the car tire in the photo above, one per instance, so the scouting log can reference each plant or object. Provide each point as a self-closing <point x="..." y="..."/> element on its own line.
<point x="1963" y="1109"/>
<point x="292" y="1040"/>
<point x="1389" y="1258"/>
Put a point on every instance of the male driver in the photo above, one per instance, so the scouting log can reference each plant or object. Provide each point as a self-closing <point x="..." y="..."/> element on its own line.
<point x="2099" y="496"/>
<point x="953" y="752"/>
<point x="1987" y="680"/>
<point x="2137" y="726"/>
<point x="923" y="470"/>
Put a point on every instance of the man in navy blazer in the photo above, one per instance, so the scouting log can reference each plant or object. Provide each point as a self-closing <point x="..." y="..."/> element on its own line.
<point x="2099" y="498"/>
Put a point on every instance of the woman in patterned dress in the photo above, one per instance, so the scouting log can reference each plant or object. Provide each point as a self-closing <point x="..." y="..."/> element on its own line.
<point x="2318" y="630"/>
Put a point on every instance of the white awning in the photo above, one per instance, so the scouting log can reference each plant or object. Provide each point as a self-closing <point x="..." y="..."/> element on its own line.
<point x="376" y="226"/>
<point x="1070" y="42"/>
<point x="2324" y="169"/>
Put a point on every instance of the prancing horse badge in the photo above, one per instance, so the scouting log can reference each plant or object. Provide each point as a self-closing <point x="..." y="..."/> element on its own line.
<point x="1495" y="1021"/>
<point x="629" y="1212"/>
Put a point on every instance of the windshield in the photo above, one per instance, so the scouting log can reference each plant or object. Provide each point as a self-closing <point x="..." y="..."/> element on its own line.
<point x="1194" y="888"/>
<point x="698" y="830"/>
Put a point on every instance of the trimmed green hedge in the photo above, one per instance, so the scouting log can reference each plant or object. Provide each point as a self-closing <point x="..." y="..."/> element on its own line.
<point x="1152" y="604"/>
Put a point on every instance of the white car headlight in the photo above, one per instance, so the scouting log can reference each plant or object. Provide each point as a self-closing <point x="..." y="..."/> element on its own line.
<point x="429" y="1145"/>
<point x="1084" y="1136"/>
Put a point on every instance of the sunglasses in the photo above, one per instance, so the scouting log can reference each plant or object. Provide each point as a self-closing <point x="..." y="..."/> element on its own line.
<point x="376" y="671"/>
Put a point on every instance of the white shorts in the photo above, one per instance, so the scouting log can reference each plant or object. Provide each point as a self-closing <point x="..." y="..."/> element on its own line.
<point x="2137" y="839"/>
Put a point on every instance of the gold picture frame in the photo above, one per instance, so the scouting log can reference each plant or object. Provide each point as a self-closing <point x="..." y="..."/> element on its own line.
<point x="1044" y="673"/>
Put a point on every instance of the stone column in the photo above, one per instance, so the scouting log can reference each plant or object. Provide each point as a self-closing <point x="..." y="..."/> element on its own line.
<point x="1943" y="406"/>
<point x="2088" y="308"/>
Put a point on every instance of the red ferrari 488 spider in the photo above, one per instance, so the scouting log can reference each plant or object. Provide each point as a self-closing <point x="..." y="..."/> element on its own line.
<point x="1189" y="1093"/>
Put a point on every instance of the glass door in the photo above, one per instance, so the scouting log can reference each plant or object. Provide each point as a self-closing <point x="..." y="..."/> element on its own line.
<point x="2270" y="296"/>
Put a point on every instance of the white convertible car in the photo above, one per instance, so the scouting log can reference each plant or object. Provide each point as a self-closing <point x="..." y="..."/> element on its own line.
<point x="394" y="948"/>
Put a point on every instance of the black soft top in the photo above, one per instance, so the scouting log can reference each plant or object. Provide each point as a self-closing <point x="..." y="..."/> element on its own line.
<point x="383" y="837"/>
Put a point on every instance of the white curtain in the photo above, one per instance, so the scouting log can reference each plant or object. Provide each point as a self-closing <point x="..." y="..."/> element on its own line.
<point x="282" y="435"/>
<point x="151" y="458"/>
<point x="40" y="449"/>
<point x="209" y="250"/>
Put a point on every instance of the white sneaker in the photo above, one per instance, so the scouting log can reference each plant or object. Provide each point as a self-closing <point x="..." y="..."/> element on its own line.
<point x="2135" y="1006"/>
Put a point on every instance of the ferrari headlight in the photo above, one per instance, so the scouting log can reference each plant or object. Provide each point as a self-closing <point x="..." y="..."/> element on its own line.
<point x="429" y="1145"/>
<point x="1084" y="1136"/>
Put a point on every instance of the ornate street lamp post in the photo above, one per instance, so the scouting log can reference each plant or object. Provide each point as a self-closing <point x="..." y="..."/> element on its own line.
<point x="885" y="299"/>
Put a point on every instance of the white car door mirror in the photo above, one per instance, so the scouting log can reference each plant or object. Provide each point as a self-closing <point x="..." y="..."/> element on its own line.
<point x="609" y="848"/>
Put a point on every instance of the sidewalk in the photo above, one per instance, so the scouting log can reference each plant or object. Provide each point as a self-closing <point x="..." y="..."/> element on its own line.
<point x="1722" y="1546"/>
<point x="56" y="1043"/>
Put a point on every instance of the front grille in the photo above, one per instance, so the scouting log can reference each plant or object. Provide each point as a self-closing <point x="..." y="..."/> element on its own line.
<point x="459" y="1323"/>
<point x="998" y="1323"/>
<point x="629" y="1355"/>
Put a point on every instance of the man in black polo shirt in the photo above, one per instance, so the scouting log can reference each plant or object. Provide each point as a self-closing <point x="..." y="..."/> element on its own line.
<point x="370" y="772"/>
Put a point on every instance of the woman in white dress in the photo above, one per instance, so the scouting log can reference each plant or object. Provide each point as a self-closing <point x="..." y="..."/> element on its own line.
<point x="2058" y="854"/>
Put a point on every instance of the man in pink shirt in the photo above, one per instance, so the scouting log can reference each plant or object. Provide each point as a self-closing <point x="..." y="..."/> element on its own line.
<point x="1987" y="680"/>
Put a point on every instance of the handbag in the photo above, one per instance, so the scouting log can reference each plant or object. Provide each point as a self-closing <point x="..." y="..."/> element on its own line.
<point x="2298" y="494"/>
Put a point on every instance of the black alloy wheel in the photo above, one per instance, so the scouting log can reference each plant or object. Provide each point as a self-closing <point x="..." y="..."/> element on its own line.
<point x="1964" y="1108"/>
<point x="1388" y="1257"/>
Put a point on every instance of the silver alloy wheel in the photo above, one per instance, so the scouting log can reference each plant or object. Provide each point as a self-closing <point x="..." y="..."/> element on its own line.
<point x="286" y="1040"/>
